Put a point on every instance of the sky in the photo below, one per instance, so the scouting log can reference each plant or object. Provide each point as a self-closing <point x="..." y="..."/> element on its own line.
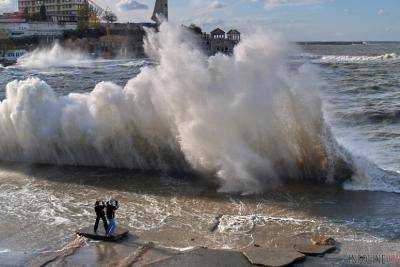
<point x="297" y="20"/>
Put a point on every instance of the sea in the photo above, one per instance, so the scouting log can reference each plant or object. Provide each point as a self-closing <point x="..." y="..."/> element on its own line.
<point x="180" y="139"/>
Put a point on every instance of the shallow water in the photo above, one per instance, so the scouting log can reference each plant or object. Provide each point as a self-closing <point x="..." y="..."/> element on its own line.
<point x="42" y="205"/>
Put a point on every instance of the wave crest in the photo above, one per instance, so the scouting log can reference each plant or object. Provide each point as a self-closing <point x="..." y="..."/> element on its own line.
<point x="56" y="57"/>
<point x="330" y="59"/>
<point x="244" y="119"/>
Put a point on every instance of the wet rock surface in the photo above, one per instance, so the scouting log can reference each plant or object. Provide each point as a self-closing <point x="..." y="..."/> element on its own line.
<point x="88" y="232"/>
<point x="272" y="256"/>
<point x="201" y="257"/>
<point x="313" y="245"/>
<point x="136" y="251"/>
<point x="320" y="240"/>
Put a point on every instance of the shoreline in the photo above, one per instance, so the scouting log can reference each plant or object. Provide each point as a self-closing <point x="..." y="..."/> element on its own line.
<point x="274" y="218"/>
<point x="142" y="250"/>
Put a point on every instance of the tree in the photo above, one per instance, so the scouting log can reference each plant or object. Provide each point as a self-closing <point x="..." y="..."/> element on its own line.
<point x="35" y="17"/>
<point x="110" y="17"/>
<point x="27" y="16"/>
<point x="94" y="22"/>
<point x="195" y="29"/>
<point x="83" y="17"/>
<point x="42" y="13"/>
<point x="6" y="42"/>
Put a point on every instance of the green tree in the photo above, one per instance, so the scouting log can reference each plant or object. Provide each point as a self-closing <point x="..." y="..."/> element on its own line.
<point x="42" y="13"/>
<point x="195" y="29"/>
<point x="83" y="17"/>
<point x="94" y="22"/>
<point x="27" y="16"/>
<point x="5" y="42"/>
<point x="35" y="17"/>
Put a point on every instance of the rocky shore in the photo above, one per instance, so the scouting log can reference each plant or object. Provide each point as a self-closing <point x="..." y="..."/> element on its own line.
<point x="305" y="249"/>
<point x="137" y="251"/>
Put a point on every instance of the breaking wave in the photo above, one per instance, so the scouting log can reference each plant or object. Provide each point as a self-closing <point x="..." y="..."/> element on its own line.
<point x="55" y="57"/>
<point x="244" y="119"/>
<point x="330" y="59"/>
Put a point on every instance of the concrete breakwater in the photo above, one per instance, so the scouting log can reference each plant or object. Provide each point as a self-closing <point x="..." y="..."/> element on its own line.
<point x="117" y="40"/>
<point x="113" y="41"/>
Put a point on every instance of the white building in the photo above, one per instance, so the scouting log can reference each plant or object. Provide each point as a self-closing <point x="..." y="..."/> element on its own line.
<point x="58" y="10"/>
<point x="14" y="55"/>
<point x="39" y="29"/>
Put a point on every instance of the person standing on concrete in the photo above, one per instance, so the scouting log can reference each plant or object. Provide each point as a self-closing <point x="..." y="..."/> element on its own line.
<point x="100" y="214"/>
<point x="111" y="207"/>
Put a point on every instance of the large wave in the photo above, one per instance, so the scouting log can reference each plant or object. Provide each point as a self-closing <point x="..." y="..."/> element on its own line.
<point x="243" y="118"/>
<point x="55" y="57"/>
<point x="346" y="59"/>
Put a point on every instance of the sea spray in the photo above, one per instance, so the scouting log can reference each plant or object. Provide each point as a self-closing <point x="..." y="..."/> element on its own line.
<point x="244" y="119"/>
<point x="55" y="57"/>
<point x="346" y="59"/>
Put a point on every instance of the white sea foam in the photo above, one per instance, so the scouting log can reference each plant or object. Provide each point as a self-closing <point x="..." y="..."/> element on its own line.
<point x="345" y="59"/>
<point x="54" y="57"/>
<point x="243" y="118"/>
<point x="235" y="224"/>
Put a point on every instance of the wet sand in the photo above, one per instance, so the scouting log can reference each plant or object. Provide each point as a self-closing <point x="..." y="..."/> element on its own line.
<point x="178" y="213"/>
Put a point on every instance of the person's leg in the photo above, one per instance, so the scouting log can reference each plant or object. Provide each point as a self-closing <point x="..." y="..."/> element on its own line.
<point x="105" y="223"/>
<point x="111" y="227"/>
<point x="96" y="225"/>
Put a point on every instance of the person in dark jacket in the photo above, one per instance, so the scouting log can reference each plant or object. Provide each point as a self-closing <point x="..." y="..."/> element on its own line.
<point x="111" y="207"/>
<point x="100" y="214"/>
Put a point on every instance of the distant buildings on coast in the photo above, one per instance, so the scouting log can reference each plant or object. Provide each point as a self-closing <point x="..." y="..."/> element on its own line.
<point x="63" y="11"/>
<point x="217" y="41"/>
<point x="85" y="25"/>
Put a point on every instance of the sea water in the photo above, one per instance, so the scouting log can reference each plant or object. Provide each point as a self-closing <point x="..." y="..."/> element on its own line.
<point x="179" y="138"/>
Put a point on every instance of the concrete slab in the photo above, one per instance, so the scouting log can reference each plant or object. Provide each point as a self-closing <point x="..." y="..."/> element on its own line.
<point x="88" y="232"/>
<point x="273" y="256"/>
<point x="205" y="257"/>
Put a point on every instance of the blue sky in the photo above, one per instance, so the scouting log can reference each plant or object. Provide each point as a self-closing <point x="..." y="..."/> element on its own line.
<point x="297" y="20"/>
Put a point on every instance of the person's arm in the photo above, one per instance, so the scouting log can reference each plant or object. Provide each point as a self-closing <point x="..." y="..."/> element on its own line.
<point x="116" y="204"/>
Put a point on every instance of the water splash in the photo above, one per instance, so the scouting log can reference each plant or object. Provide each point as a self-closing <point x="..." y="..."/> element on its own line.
<point x="244" y="119"/>
<point x="54" y="57"/>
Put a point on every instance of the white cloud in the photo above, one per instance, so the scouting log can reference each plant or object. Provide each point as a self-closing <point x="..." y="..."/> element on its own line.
<point x="217" y="5"/>
<point x="128" y="5"/>
<point x="271" y="4"/>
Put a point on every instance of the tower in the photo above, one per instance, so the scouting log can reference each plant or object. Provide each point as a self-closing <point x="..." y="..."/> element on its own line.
<point x="160" y="11"/>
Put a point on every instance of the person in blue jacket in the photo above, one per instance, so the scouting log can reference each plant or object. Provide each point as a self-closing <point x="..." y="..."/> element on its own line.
<point x="111" y="207"/>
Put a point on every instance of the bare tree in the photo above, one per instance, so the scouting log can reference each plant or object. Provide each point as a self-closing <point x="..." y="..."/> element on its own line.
<point x="109" y="17"/>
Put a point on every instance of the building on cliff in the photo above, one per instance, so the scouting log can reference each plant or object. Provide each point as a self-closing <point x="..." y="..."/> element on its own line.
<point x="46" y="31"/>
<point x="58" y="10"/>
<point x="217" y="41"/>
<point x="15" y="17"/>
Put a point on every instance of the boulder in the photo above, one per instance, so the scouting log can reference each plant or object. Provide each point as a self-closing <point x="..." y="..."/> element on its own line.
<point x="313" y="245"/>
<point x="320" y="240"/>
